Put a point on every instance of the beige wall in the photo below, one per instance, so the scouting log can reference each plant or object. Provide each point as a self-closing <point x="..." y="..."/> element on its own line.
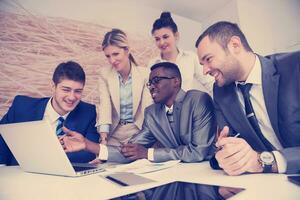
<point x="269" y="25"/>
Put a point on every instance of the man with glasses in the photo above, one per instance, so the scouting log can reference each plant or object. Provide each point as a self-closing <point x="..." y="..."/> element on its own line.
<point x="181" y="124"/>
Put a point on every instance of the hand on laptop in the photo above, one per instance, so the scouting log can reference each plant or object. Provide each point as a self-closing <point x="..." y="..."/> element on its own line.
<point x="96" y="161"/>
<point x="72" y="141"/>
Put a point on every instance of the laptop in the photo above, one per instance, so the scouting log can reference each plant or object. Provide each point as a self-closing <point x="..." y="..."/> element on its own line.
<point x="37" y="149"/>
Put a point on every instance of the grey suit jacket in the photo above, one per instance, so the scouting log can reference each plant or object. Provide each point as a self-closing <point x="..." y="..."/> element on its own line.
<point x="194" y="133"/>
<point x="281" y="89"/>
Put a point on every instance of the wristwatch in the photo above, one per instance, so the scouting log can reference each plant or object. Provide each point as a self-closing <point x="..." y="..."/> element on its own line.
<point x="266" y="159"/>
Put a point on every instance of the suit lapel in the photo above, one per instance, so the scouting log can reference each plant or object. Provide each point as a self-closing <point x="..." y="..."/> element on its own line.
<point x="137" y="88"/>
<point x="227" y="99"/>
<point x="177" y="112"/>
<point x="40" y="110"/>
<point x="270" y="83"/>
<point x="114" y="89"/>
<point x="166" y="128"/>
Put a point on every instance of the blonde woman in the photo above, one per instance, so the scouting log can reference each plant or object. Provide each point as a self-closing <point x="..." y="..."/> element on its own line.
<point x="123" y="92"/>
<point x="166" y="36"/>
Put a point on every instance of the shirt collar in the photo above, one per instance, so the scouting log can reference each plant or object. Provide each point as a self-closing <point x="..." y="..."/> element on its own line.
<point x="169" y="109"/>
<point x="255" y="74"/>
<point x="121" y="78"/>
<point x="51" y="113"/>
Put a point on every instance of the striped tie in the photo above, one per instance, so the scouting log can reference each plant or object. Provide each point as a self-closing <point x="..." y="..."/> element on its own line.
<point x="60" y="124"/>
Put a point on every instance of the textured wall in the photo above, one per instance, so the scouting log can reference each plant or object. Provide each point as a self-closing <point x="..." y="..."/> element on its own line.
<point x="32" y="46"/>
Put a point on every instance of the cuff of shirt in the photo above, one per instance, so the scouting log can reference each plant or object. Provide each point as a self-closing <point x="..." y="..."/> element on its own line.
<point x="281" y="162"/>
<point x="103" y="128"/>
<point x="151" y="154"/>
<point x="103" y="154"/>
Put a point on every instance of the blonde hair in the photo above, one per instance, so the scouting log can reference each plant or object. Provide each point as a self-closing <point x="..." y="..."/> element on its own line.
<point x="117" y="38"/>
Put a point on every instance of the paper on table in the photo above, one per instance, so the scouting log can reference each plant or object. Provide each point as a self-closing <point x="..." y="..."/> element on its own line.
<point x="143" y="166"/>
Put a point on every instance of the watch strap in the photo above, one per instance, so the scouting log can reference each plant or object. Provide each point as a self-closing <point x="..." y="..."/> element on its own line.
<point x="267" y="168"/>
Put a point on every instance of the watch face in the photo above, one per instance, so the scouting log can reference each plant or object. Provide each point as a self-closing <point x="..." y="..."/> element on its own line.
<point x="267" y="157"/>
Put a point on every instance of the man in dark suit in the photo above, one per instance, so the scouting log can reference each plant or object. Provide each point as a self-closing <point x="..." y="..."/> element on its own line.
<point x="255" y="97"/>
<point x="183" y="123"/>
<point x="65" y="104"/>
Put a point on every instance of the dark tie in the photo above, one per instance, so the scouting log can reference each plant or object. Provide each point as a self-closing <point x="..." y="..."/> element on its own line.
<point x="170" y="116"/>
<point x="60" y="124"/>
<point x="245" y="88"/>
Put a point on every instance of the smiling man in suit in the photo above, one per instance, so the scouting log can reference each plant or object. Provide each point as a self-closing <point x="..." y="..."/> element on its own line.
<point x="64" y="108"/>
<point x="183" y="123"/>
<point x="256" y="97"/>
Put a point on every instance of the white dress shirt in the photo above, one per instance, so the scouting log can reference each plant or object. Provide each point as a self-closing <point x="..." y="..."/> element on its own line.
<point x="52" y="116"/>
<point x="259" y="107"/>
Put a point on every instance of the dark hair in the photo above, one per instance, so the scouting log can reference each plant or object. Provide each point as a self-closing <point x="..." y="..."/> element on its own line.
<point x="69" y="70"/>
<point x="170" y="68"/>
<point x="165" y="21"/>
<point x="222" y="32"/>
<point x="117" y="38"/>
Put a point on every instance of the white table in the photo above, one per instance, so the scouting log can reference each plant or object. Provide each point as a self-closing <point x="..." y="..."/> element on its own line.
<point x="16" y="184"/>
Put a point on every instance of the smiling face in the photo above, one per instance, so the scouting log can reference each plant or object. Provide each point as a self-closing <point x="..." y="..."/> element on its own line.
<point x="166" y="88"/>
<point x="117" y="57"/>
<point x="66" y="96"/>
<point x="218" y="62"/>
<point x="165" y="40"/>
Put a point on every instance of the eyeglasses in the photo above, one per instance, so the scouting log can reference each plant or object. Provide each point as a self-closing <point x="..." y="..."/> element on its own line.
<point x="157" y="79"/>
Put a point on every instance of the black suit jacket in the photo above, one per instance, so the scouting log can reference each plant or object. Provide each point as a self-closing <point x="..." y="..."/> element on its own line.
<point x="281" y="89"/>
<point x="82" y="119"/>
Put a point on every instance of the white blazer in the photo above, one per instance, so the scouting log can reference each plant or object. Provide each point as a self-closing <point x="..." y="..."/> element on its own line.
<point x="108" y="110"/>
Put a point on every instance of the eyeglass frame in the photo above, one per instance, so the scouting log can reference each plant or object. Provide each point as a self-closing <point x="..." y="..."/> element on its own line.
<point x="157" y="79"/>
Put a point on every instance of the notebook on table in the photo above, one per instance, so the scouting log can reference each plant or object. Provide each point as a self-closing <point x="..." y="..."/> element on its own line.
<point x="37" y="149"/>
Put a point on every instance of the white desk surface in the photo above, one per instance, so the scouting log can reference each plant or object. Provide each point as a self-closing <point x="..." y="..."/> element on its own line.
<point x="16" y="184"/>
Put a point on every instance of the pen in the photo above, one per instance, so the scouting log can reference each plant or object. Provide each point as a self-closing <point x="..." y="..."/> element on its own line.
<point x="219" y="148"/>
<point x="237" y="135"/>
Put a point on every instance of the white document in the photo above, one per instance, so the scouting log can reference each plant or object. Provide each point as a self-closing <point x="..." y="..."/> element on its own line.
<point x="143" y="166"/>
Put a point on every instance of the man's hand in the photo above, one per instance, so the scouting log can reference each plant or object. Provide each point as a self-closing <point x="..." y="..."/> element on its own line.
<point x="134" y="151"/>
<point x="96" y="161"/>
<point x="72" y="141"/>
<point x="235" y="155"/>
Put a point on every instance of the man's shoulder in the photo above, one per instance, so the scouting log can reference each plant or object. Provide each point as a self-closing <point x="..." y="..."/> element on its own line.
<point x="152" y="107"/>
<point x="197" y="95"/>
<point x="22" y="99"/>
<point x="86" y="105"/>
<point x="285" y="61"/>
<point x="284" y="56"/>
<point x="85" y="110"/>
